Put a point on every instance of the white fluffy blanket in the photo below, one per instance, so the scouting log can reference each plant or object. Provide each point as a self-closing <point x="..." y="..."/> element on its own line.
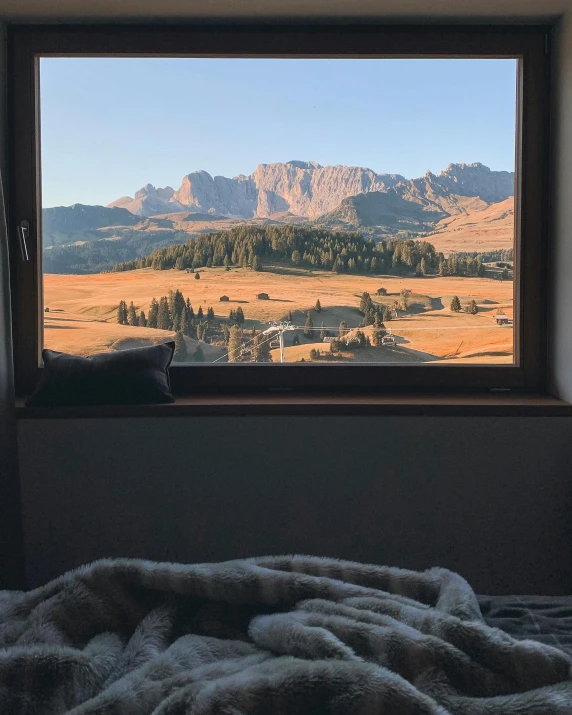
<point x="289" y="635"/>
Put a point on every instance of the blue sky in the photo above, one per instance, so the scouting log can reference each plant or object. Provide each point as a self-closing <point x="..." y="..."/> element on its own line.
<point x="109" y="126"/>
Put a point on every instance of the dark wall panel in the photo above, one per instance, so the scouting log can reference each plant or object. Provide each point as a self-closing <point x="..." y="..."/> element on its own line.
<point x="488" y="497"/>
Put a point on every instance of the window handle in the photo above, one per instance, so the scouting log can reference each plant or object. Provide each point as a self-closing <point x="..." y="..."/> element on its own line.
<point x="23" y="235"/>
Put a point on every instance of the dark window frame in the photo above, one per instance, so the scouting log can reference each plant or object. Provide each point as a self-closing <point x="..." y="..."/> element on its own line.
<point x="528" y="43"/>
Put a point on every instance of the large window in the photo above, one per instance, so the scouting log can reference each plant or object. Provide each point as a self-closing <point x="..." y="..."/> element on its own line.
<point x="324" y="218"/>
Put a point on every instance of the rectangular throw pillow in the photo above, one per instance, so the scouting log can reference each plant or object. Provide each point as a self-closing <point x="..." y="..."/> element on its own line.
<point x="136" y="376"/>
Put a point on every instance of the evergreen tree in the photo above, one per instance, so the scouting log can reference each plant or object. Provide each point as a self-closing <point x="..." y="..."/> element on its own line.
<point x="210" y="314"/>
<point x="225" y="333"/>
<point x="318" y="306"/>
<point x="197" y="276"/>
<point x="142" y="320"/>
<point x="200" y="314"/>
<point x="338" y="266"/>
<point x="164" y="320"/>
<point x="322" y="332"/>
<point x="234" y="344"/>
<point x="365" y="303"/>
<point x="296" y="340"/>
<point x="122" y="317"/>
<point x="232" y="316"/>
<point x="386" y="314"/>
<point x="226" y="263"/>
<point x="296" y="258"/>
<point x="153" y="314"/>
<point x="308" y="325"/>
<point x="132" y="315"/>
<point x="455" y="304"/>
<point x="504" y="274"/>
<point x="289" y="316"/>
<point x="256" y="264"/>
<point x="261" y="348"/>
<point x="378" y="332"/>
<point x="370" y="316"/>
<point x="239" y="316"/>
<point x="405" y="294"/>
<point x="198" y="355"/>
<point x="344" y="329"/>
<point x="185" y="323"/>
<point x="180" y="354"/>
<point x="473" y="307"/>
<point x="176" y="303"/>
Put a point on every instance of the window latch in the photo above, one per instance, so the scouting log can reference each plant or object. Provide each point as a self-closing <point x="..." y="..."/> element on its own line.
<point x="23" y="235"/>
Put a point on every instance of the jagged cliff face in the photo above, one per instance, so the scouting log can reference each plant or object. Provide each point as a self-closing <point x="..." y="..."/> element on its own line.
<point x="230" y="197"/>
<point x="149" y="201"/>
<point x="310" y="190"/>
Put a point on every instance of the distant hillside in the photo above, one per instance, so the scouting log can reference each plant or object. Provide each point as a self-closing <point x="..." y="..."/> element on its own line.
<point x="306" y="248"/>
<point x="388" y="211"/>
<point x="488" y="229"/>
<point x="66" y="224"/>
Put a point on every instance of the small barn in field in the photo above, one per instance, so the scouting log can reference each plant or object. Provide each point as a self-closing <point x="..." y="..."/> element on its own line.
<point x="224" y="299"/>
<point x="501" y="319"/>
<point x="262" y="296"/>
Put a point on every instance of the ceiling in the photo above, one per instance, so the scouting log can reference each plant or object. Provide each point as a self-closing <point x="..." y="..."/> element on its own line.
<point x="434" y="10"/>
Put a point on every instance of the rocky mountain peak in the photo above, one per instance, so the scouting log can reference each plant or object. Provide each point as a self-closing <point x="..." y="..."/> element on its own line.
<point x="310" y="190"/>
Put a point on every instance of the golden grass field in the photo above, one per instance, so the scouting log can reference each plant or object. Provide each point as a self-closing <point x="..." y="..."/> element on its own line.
<point x="82" y="317"/>
<point x="486" y="229"/>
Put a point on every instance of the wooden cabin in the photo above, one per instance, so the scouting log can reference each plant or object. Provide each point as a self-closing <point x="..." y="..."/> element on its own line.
<point x="262" y="296"/>
<point x="501" y="319"/>
<point x="224" y="299"/>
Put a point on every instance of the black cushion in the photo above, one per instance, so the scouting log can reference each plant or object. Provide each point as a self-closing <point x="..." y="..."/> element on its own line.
<point x="138" y="376"/>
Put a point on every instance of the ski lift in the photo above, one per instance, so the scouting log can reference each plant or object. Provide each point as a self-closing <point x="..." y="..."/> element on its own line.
<point x="274" y="344"/>
<point x="388" y="341"/>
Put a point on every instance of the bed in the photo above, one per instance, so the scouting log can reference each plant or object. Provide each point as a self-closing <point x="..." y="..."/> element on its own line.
<point x="547" y="619"/>
<point x="287" y="635"/>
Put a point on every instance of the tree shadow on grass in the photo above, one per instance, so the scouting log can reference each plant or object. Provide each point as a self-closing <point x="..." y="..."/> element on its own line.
<point x="61" y="327"/>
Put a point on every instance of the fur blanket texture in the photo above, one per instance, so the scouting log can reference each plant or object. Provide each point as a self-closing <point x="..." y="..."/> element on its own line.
<point x="291" y="635"/>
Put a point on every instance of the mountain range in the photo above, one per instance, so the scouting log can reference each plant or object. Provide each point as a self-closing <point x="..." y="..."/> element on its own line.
<point x="310" y="190"/>
<point x="462" y="206"/>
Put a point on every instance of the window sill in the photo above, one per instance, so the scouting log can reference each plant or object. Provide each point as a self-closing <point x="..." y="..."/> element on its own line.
<point x="463" y="405"/>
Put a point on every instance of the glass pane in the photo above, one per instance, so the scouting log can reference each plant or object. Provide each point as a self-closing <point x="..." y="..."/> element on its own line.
<point x="290" y="210"/>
